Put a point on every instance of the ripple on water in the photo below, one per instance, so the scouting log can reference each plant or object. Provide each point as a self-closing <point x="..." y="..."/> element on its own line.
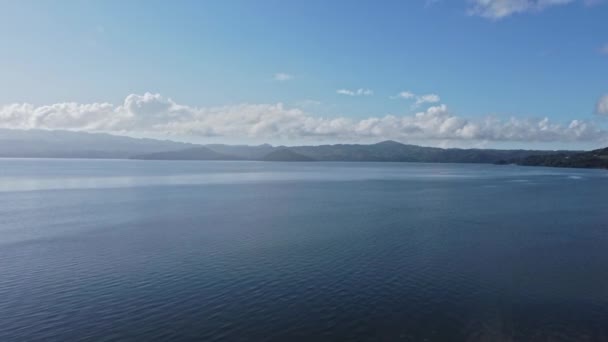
<point x="412" y="258"/>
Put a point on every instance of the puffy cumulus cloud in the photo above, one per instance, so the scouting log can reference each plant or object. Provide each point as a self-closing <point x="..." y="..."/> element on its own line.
<point x="356" y="92"/>
<point x="437" y="123"/>
<point x="96" y="116"/>
<point x="498" y="9"/>
<point x="602" y="105"/>
<point x="154" y="114"/>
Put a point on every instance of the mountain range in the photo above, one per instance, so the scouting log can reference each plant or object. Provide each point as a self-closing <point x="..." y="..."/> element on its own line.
<point x="386" y="151"/>
<point x="67" y="144"/>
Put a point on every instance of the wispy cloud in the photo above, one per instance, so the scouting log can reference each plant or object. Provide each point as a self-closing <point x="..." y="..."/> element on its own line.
<point x="153" y="114"/>
<point x="428" y="98"/>
<point x="355" y="92"/>
<point x="601" y="107"/>
<point x="282" y="77"/>
<point x="404" y="95"/>
<point x="499" y="9"/>
<point x="420" y="99"/>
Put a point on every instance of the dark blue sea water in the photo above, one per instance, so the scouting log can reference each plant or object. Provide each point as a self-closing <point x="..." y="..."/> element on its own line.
<point x="247" y="251"/>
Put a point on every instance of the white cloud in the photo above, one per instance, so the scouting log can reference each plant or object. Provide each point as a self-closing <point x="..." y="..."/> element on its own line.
<point x="152" y="114"/>
<point x="498" y="9"/>
<point x="602" y="105"/>
<point x="405" y="95"/>
<point x="420" y="99"/>
<point x="355" y="92"/>
<point x="345" y="92"/>
<point x="282" y="77"/>
<point x="428" y="98"/>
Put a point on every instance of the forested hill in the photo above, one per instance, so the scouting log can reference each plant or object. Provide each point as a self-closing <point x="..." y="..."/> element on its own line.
<point x="597" y="159"/>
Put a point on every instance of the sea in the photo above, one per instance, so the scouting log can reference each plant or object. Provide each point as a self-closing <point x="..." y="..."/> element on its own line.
<point x="124" y="250"/>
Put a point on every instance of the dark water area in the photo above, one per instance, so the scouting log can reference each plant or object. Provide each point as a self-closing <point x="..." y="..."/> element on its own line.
<point x="247" y="251"/>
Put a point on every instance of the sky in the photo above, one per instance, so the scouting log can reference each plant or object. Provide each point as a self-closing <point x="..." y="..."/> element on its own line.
<point x="457" y="73"/>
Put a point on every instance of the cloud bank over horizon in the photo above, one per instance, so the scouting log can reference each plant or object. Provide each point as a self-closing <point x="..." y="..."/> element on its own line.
<point x="154" y="115"/>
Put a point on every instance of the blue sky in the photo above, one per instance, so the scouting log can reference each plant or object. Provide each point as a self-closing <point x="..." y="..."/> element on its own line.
<point x="501" y="59"/>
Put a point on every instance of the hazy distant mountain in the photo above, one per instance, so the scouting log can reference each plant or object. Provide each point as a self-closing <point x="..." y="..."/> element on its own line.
<point x="594" y="159"/>
<point x="397" y="152"/>
<point x="194" y="153"/>
<point x="286" y="154"/>
<point x="66" y="144"/>
<point x="244" y="151"/>
<point x="386" y="151"/>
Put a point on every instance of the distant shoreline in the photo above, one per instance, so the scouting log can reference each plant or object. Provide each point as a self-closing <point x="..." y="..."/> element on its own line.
<point x="37" y="144"/>
<point x="291" y="162"/>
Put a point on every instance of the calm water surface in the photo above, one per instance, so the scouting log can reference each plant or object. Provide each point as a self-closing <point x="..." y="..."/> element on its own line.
<point x="246" y="251"/>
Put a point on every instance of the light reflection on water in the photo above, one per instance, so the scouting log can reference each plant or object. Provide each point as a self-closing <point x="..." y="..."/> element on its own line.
<point x="43" y="174"/>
